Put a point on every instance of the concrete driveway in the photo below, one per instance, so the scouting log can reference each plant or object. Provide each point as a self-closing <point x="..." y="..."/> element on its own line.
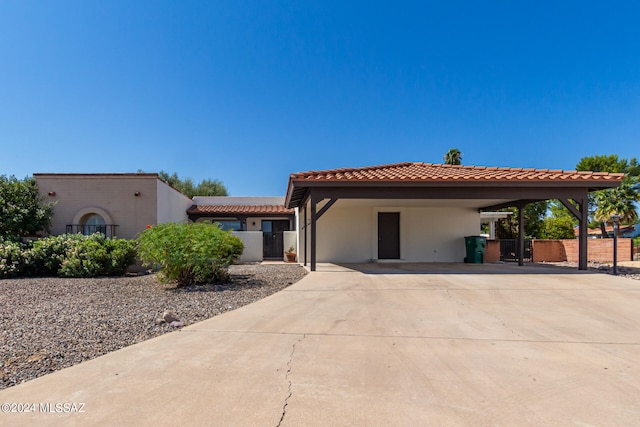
<point x="377" y="344"/>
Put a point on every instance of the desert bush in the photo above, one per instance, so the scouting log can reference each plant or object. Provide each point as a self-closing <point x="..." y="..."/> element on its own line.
<point x="121" y="253"/>
<point x="67" y="255"/>
<point x="189" y="253"/>
<point x="95" y="255"/>
<point x="12" y="262"/>
<point x="46" y="254"/>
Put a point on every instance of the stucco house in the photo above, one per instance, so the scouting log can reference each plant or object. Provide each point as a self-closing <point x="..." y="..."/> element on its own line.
<point x="118" y="204"/>
<point x="122" y="205"/>
<point x="403" y="212"/>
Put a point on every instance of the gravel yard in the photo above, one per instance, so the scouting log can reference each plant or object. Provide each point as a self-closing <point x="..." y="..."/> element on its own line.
<point x="627" y="269"/>
<point x="51" y="323"/>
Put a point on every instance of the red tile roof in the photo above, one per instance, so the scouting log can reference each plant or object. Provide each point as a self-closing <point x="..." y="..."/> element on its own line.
<point x="430" y="172"/>
<point x="240" y="209"/>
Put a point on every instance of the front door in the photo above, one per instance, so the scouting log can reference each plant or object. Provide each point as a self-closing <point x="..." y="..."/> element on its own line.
<point x="273" y="238"/>
<point x="388" y="235"/>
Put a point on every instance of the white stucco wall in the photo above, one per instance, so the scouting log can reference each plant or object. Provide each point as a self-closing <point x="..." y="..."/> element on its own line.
<point x="252" y="241"/>
<point x="172" y="204"/>
<point x="349" y="233"/>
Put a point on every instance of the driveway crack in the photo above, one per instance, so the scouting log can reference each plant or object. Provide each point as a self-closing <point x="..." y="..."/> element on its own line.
<point x="286" y="377"/>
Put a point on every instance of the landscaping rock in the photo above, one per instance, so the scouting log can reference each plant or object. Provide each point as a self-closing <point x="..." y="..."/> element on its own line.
<point x="169" y="317"/>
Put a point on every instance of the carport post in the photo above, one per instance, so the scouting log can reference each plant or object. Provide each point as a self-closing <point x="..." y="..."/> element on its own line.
<point x="521" y="235"/>
<point x="314" y="202"/>
<point x="583" y="228"/>
<point x="582" y="215"/>
<point x="305" y="235"/>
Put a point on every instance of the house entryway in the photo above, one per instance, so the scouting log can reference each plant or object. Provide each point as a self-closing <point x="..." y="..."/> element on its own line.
<point x="273" y="238"/>
<point x="388" y="235"/>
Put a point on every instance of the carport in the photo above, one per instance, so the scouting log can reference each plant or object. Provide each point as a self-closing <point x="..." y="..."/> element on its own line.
<point x="482" y="188"/>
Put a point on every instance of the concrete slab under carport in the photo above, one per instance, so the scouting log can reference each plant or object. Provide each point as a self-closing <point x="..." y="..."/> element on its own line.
<point x="464" y="345"/>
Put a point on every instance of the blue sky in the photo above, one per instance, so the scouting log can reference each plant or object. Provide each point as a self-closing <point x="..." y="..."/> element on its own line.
<point x="250" y="91"/>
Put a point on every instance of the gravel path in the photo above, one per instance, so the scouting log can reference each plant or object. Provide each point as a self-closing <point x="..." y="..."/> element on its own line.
<point x="628" y="269"/>
<point x="50" y="323"/>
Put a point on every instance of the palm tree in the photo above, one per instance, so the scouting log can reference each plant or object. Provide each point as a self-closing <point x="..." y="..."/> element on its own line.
<point x="620" y="200"/>
<point x="453" y="157"/>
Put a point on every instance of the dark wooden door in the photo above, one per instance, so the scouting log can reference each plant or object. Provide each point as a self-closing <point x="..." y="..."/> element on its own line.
<point x="388" y="235"/>
<point x="273" y="238"/>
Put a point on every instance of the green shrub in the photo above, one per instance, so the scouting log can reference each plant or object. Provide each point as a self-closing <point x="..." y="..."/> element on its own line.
<point x="558" y="228"/>
<point x="12" y="262"/>
<point x="121" y="253"/>
<point x="95" y="255"/>
<point x="46" y="255"/>
<point x="189" y="253"/>
<point x="68" y="255"/>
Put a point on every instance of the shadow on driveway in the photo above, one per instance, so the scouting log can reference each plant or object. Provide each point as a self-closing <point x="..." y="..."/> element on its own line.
<point x="454" y="268"/>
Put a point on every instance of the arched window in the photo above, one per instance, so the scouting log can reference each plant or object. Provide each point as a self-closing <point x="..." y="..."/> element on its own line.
<point x="93" y="223"/>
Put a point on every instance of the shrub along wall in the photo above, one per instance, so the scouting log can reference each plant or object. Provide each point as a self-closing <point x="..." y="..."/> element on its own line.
<point x="67" y="255"/>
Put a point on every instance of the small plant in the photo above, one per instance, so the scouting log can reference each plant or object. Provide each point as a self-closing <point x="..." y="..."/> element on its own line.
<point x="189" y="254"/>
<point x="291" y="254"/>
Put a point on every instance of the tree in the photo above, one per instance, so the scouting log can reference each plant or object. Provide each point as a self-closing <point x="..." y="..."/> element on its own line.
<point x="534" y="214"/>
<point x="621" y="200"/>
<point x="453" y="157"/>
<point x="609" y="163"/>
<point x="206" y="187"/>
<point x="22" y="210"/>
<point x="561" y="227"/>
<point x="209" y="187"/>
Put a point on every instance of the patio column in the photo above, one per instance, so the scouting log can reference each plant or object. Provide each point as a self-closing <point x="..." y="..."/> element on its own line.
<point x="304" y="227"/>
<point x="521" y="234"/>
<point x="492" y="229"/>
<point x="582" y="214"/>
<point x="583" y="228"/>
<point x="314" y="219"/>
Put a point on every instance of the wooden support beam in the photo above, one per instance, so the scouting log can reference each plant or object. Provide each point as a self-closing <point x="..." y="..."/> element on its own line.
<point x="511" y="204"/>
<point x="304" y="227"/>
<point x="314" y="219"/>
<point x="583" y="228"/>
<point x="521" y="234"/>
<point x="325" y="207"/>
<point x="572" y="208"/>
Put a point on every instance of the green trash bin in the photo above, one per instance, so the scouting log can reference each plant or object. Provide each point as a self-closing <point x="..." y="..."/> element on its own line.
<point x="475" y="249"/>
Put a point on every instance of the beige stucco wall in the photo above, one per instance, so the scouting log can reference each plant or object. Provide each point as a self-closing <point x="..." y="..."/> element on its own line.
<point x="172" y="204"/>
<point x="110" y="193"/>
<point x="349" y="233"/>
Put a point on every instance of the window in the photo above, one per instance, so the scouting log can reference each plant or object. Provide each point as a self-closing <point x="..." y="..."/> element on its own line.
<point x="93" y="223"/>
<point x="230" y="225"/>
